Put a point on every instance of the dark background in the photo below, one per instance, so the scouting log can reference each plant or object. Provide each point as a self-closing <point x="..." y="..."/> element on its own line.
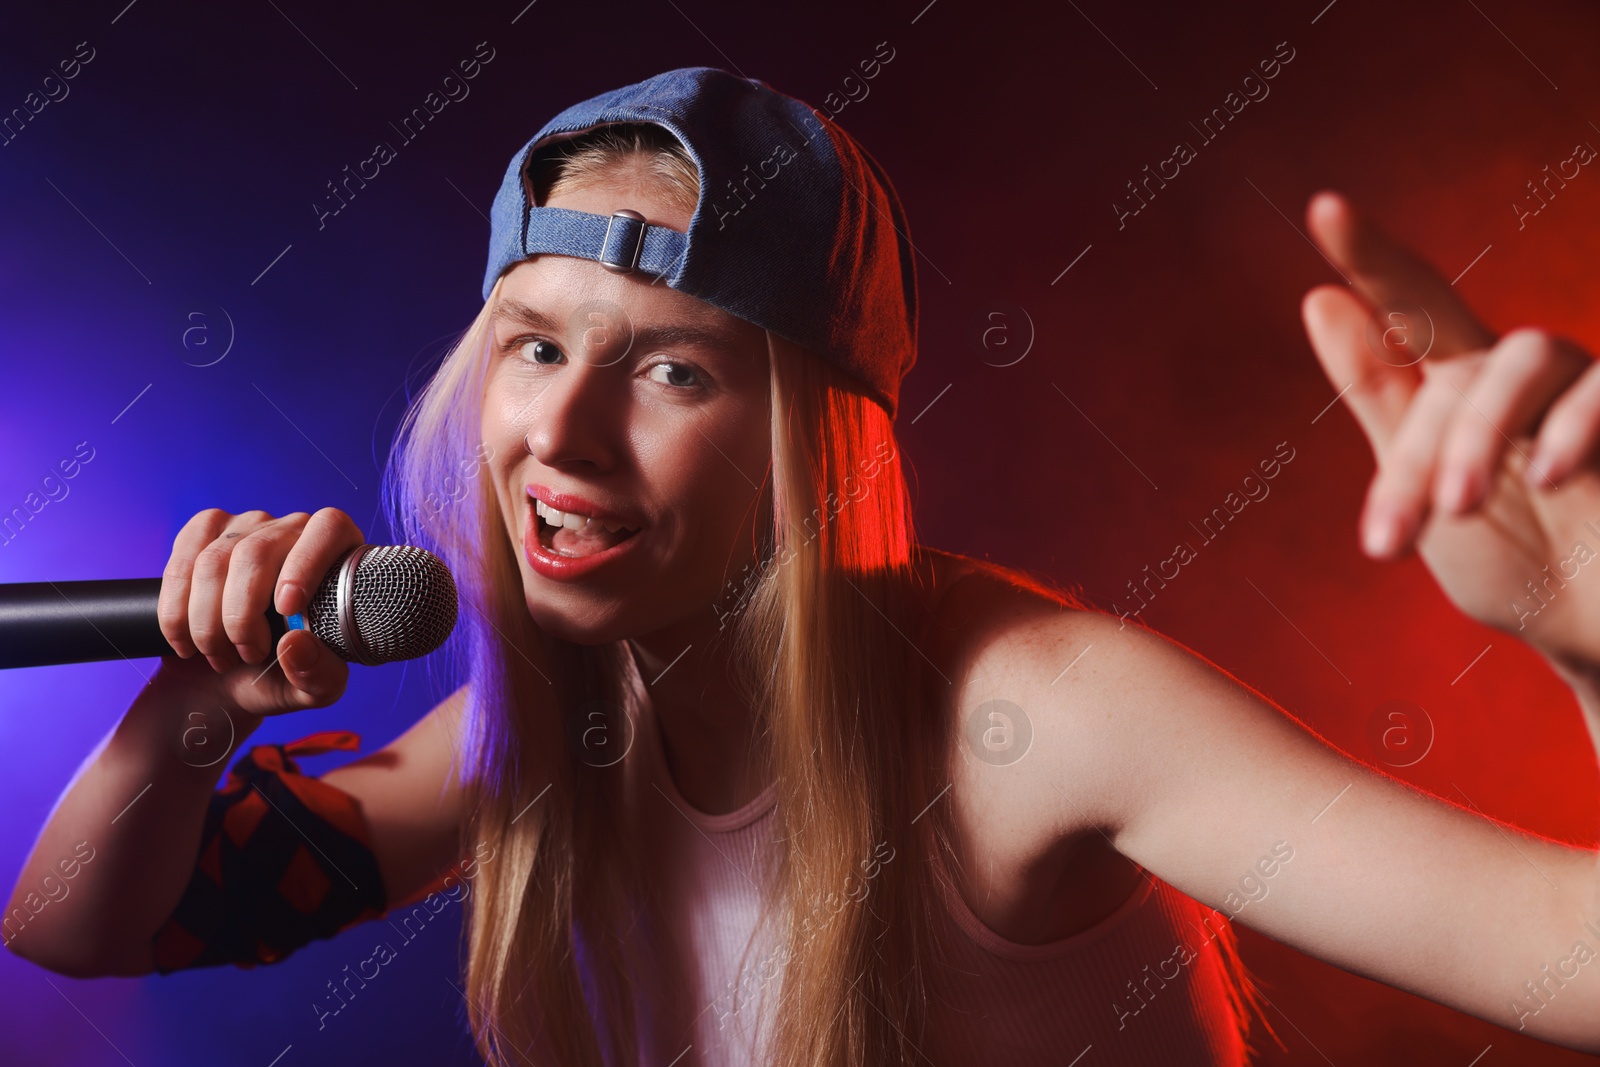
<point x="176" y="179"/>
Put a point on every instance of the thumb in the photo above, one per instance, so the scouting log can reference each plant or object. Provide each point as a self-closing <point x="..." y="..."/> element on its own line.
<point x="304" y="675"/>
<point x="1378" y="392"/>
<point x="313" y="675"/>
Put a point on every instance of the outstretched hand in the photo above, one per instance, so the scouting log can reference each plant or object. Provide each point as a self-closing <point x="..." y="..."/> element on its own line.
<point x="1485" y="446"/>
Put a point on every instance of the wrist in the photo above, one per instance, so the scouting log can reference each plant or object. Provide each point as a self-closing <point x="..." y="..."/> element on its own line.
<point x="176" y="727"/>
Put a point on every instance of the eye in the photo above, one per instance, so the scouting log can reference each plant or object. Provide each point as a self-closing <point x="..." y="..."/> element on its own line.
<point x="675" y="375"/>
<point x="536" y="350"/>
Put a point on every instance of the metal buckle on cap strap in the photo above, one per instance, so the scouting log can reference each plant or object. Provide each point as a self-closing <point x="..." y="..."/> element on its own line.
<point x="624" y="239"/>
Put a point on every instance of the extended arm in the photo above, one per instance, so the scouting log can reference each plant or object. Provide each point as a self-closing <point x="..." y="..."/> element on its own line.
<point x="1211" y="787"/>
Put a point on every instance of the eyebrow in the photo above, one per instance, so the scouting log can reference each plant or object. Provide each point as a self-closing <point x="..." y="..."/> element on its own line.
<point x="665" y="334"/>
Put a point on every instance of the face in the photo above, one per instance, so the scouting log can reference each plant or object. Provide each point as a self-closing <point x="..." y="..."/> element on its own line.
<point x="624" y="406"/>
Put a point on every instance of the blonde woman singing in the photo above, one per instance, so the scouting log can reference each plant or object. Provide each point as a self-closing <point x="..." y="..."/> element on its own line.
<point x="735" y="770"/>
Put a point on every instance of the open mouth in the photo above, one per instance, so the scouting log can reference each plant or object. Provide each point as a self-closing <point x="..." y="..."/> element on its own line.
<point x="574" y="536"/>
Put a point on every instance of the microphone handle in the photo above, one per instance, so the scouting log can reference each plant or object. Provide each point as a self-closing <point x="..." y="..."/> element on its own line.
<point x="46" y="623"/>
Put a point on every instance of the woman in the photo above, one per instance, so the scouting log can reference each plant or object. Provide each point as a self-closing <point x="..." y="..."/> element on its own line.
<point x="741" y="772"/>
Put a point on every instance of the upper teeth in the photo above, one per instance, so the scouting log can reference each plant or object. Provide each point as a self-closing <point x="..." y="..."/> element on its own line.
<point x="571" y="519"/>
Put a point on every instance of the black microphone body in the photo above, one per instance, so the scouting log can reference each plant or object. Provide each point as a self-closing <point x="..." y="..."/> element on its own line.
<point x="45" y="623"/>
<point x="377" y="604"/>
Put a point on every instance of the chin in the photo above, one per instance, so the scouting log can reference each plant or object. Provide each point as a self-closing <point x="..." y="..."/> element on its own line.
<point x="581" y="626"/>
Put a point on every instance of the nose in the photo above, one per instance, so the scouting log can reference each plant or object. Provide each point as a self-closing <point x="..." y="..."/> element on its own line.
<point x="575" y="421"/>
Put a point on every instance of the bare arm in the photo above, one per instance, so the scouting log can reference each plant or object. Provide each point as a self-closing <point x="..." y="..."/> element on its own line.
<point x="116" y="854"/>
<point x="1219" y="792"/>
<point x="138" y="804"/>
<point x="410" y="792"/>
<point x="131" y="817"/>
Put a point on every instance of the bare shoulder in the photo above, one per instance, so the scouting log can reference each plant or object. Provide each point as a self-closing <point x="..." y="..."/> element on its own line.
<point x="996" y="629"/>
<point x="1041" y="700"/>
<point x="995" y="622"/>
<point x="410" y="792"/>
<point x="1037" y="763"/>
<point x="983" y="608"/>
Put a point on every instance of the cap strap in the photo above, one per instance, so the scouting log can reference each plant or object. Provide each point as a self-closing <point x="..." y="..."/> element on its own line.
<point x="633" y="244"/>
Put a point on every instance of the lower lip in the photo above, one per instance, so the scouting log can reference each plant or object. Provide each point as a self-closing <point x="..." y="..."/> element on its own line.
<point x="553" y="565"/>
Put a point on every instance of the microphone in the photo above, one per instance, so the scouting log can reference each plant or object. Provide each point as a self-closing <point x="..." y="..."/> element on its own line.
<point x="377" y="604"/>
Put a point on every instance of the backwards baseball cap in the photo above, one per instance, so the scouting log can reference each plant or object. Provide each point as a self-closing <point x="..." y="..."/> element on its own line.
<point x="797" y="229"/>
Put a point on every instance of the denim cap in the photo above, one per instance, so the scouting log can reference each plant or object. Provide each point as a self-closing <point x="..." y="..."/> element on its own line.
<point x="797" y="229"/>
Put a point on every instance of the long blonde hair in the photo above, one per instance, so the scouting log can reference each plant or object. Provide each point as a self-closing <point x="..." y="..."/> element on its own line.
<point x="849" y="712"/>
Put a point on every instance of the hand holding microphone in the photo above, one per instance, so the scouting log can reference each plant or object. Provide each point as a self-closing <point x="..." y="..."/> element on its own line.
<point x="254" y="613"/>
<point x="224" y="572"/>
<point x="227" y="659"/>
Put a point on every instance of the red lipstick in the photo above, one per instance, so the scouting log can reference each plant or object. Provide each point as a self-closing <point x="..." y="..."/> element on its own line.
<point x="553" y="565"/>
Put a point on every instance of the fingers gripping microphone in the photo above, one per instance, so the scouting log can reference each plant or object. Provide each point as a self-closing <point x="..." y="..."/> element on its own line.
<point x="378" y="603"/>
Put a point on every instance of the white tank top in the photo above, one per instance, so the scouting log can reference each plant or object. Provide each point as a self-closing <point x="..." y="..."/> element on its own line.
<point x="1145" y="985"/>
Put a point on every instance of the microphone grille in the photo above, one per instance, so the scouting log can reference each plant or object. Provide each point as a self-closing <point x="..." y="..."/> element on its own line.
<point x="382" y="603"/>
